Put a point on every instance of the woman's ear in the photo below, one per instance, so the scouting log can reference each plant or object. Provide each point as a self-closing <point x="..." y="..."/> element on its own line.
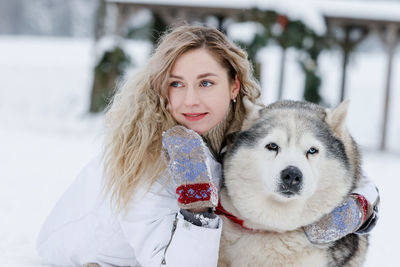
<point x="235" y="88"/>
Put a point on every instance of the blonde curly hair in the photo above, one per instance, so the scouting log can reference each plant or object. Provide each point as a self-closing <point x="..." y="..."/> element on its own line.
<point x="138" y="113"/>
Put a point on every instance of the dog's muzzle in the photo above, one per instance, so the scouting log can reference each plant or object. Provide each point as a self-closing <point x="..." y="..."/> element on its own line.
<point x="291" y="181"/>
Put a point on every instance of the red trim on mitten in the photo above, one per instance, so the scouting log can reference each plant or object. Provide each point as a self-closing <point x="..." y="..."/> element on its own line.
<point x="364" y="204"/>
<point x="189" y="193"/>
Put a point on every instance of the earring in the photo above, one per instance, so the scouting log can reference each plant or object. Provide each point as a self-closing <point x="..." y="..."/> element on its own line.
<point x="234" y="100"/>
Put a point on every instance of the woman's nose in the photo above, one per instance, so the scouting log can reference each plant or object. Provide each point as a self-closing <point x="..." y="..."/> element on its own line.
<point x="192" y="96"/>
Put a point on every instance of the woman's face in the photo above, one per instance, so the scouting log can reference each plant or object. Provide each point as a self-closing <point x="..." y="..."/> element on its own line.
<point x="199" y="91"/>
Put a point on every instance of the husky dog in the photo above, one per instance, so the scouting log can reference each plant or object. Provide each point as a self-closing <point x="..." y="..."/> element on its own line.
<point x="292" y="163"/>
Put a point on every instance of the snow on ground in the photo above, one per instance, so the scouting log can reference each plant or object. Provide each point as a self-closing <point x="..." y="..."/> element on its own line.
<point x="46" y="138"/>
<point x="36" y="167"/>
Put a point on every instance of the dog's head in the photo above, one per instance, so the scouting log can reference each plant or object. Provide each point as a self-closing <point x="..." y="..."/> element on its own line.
<point x="292" y="163"/>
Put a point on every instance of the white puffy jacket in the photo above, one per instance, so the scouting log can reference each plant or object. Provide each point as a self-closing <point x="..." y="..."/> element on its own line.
<point x="82" y="228"/>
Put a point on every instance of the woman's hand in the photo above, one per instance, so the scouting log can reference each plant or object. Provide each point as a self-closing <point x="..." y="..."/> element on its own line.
<point x="188" y="161"/>
<point x="343" y="220"/>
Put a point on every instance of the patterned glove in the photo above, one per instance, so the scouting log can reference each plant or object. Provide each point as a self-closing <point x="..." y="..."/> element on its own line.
<point x="343" y="220"/>
<point x="189" y="166"/>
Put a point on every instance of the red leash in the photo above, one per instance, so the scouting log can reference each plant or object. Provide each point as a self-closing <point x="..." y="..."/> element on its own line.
<point x="221" y="211"/>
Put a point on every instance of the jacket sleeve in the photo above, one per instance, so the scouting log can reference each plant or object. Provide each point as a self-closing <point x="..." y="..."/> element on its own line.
<point x="367" y="188"/>
<point x="160" y="236"/>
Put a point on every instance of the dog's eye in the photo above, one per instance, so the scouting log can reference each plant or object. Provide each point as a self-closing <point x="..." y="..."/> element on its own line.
<point x="312" y="151"/>
<point x="272" y="147"/>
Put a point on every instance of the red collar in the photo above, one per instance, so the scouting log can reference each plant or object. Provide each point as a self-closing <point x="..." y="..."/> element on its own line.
<point x="221" y="211"/>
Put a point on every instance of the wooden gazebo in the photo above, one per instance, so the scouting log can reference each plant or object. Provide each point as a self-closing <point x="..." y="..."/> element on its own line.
<point x="383" y="18"/>
<point x="362" y="16"/>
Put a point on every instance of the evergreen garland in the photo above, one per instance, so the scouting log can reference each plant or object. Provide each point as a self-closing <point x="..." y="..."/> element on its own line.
<point x="110" y="67"/>
<point x="290" y="34"/>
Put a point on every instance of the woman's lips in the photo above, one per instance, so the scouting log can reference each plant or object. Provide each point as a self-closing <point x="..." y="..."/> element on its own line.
<point x="194" y="116"/>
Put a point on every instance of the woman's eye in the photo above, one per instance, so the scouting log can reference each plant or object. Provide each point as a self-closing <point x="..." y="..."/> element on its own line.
<point x="272" y="147"/>
<point x="312" y="151"/>
<point x="176" y="84"/>
<point x="206" y="84"/>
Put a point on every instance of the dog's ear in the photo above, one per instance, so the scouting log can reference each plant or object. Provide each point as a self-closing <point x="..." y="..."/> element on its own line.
<point x="336" y="118"/>
<point x="252" y="113"/>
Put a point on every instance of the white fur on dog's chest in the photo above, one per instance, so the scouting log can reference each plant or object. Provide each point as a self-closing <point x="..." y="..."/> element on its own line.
<point x="243" y="248"/>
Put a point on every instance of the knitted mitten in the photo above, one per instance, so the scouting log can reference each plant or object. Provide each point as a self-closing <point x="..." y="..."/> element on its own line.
<point x="189" y="166"/>
<point x="343" y="220"/>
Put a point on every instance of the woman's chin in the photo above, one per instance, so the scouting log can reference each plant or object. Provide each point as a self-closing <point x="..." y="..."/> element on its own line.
<point x="200" y="129"/>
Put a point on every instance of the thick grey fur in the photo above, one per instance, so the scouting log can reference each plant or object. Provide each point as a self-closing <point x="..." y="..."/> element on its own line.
<point x="310" y="116"/>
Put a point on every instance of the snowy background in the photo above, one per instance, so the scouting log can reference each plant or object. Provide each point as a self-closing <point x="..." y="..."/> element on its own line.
<point x="46" y="135"/>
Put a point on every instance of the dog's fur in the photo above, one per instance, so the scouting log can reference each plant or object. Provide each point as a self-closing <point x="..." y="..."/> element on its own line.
<point x="251" y="187"/>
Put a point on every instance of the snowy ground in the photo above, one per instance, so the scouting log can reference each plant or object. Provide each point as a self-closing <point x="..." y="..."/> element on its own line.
<point x="46" y="138"/>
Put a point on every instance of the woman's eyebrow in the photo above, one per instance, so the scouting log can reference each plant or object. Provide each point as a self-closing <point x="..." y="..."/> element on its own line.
<point x="206" y="74"/>
<point x="175" y="77"/>
<point x="198" y="77"/>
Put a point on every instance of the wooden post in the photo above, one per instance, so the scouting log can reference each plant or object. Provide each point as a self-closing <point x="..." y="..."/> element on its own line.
<point x="346" y="46"/>
<point x="99" y="30"/>
<point x="391" y="40"/>
<point x="282" y="73"/>
<point x="123" y="14"/>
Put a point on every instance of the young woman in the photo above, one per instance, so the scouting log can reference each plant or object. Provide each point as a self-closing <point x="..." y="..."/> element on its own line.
<point x="196" y="78"/>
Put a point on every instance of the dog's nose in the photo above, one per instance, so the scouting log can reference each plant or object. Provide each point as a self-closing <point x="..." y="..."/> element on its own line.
<point x="291" y="178"/>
